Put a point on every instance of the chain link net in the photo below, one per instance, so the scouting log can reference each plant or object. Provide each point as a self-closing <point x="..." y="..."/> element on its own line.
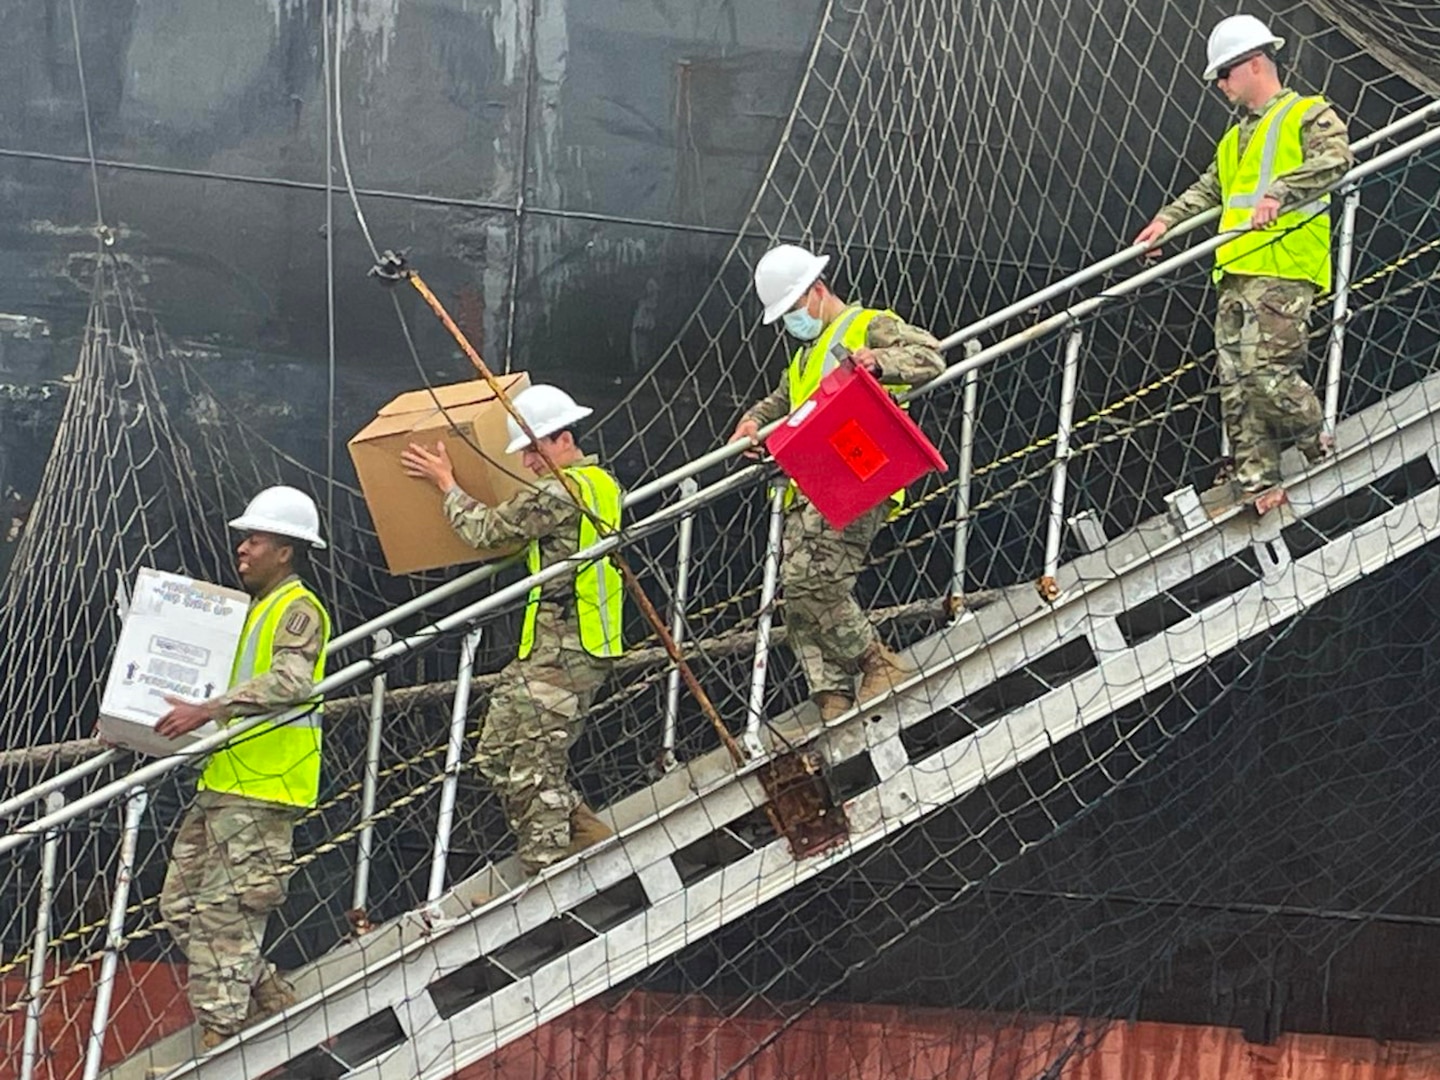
<point x="1260" y="818"/>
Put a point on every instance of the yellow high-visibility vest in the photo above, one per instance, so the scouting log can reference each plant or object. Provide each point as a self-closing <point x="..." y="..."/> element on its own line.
<point x="599" y="589"/>
<point x="1297" y="245"/>
<point x="811" y="363"/>
<point x="278" y="761"/>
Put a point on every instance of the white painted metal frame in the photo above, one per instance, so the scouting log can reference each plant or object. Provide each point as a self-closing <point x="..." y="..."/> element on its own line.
<point x="1059" y="471"/>
<point x="664" y="882"/>
<point x="454" y="749"/>
<point x="1340" y="311"/>
<point x="1057" y="322"/>
<point x="959" y="661"/>
<point x="769" y="587"/>
<point x="40" y="947"/>
<point x="679" y="604"/>
<point x="370" y="782"/>
<point x="115" y="931"/>
<point x="964" y="474"/>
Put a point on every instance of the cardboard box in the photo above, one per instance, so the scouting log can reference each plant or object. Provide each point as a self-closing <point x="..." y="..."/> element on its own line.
<point x="179" y="637"/>
<point x="409" y="514"/>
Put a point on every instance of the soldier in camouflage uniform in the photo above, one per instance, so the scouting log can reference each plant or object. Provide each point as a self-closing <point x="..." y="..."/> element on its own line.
<point x="829" y="632"/>
<point x="1285" y="151"/>
<point x="572" y="628"/>
<point x="232" y="855"/>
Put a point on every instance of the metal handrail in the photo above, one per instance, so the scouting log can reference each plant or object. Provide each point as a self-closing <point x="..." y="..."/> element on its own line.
<point x="706" y="495"/>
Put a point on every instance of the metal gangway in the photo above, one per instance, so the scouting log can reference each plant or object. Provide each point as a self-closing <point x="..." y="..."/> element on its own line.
<point x="494" y="956"/>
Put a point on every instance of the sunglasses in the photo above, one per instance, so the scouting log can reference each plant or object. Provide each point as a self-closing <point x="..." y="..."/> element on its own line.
<point x="1223" y="73"/>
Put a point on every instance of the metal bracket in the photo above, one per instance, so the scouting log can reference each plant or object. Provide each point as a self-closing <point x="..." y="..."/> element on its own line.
<point x="391" y="268"/>
<point x="801" y="803"/>
<point x="1274" y="558"/>
<point x="1088" y="530"/>
<point x="1186" y="509"/>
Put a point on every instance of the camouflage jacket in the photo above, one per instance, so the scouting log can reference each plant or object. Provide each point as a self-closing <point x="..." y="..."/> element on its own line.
<point x="544" y="512"/>
<point x="1326" y="147"/>
<point x="292" y="664"/>
<point x="908" y="356"/>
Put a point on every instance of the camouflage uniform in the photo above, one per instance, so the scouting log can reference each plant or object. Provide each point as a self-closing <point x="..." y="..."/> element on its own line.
<point x="539" y="703"/>
<point x="1261" y="323"/>
<point x="232" y="855"/>
<point x="827" y="629"/>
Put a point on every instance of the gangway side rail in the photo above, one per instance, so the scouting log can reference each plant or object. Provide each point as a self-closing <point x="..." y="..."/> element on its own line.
<point x="393" y="972"/>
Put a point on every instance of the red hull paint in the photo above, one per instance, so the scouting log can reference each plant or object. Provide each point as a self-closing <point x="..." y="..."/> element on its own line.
<point x="658" y="1037"/>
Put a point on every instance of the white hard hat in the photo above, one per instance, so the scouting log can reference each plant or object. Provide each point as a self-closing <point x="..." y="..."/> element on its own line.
<point x="1232" y="38"/>
<point x="547" y="409"/>
<point x="782" y="275"/>
<point x="284" y="511"/>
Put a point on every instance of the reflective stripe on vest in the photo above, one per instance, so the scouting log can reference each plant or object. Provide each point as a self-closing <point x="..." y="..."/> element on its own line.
<point x="810" y="365"/>
<point x="1297" y="245"/>
<point x="599" y="590"/>
<point x="278" y="761"/>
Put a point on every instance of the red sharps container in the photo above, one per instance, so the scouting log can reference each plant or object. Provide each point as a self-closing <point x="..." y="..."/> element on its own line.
<point x="850" y="447"/>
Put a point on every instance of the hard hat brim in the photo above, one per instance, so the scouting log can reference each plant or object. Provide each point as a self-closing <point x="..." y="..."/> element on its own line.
<point x="1275" y="43"/>
<point x="777" y="310"/>
<point x="557" y="424"/>
<point x="249" y="525"/>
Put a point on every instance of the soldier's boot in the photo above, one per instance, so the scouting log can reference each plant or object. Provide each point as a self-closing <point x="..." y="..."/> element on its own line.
<point x="210" y="1039"/>
<point x="586" y="830"/>
<point x="833" y="704"/>
<point x="1318" y="448"/>
<point x="270" y="996"/>
<point x="881" y="671"/>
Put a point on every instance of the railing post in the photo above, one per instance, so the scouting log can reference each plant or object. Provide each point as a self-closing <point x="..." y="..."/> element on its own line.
<point x="371" y="780"/>
<point x="446" y="822"/>
<point x="1340" y="315"/>
<point x="678" y="604"/>
<point x="755" y="713"/>
<point x="1059" y="472"/>
<point x="40" y="949"/>
<point x="963" y="471"/>
<point x="115" y="931"/>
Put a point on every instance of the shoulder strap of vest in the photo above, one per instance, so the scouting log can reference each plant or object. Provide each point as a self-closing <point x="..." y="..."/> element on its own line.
<point x="1262" y="139"/>
<point x="837" y="350"/>
<point x="1305" y="104"/>
<point x="834" y="340"/>
<point x="590" y="479"/>
<point x="868" y="316"/>
<point x="261" y="609"/>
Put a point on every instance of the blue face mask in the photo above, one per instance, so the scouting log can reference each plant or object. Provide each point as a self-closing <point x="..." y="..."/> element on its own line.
<point x="802" y="326"/>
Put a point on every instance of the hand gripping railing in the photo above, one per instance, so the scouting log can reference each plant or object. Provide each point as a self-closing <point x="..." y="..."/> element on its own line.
<point x="676" y="511"/>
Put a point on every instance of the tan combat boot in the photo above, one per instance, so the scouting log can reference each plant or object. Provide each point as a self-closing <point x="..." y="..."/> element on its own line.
<point x="270" y="996"/>
<point x="210" y="1039"/>
<point x="586" y="830"/>
<point x="832" y="704"/>
<point x="881" y="671"/>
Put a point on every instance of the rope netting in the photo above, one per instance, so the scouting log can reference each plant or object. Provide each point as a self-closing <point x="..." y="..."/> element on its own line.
<point x="1259" y="818"/>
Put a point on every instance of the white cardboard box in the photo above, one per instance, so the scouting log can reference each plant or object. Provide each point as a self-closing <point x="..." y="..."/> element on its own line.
<point x="179" y="638"/>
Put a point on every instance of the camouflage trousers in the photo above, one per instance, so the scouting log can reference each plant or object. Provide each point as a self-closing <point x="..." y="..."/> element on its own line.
<point x="1260" y="347"/>
<point x="228" y="869"/>
<point x="826" y="628"/>
<point x="536" y="713"/>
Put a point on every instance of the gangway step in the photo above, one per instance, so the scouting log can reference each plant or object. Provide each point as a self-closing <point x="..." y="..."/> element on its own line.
<point x="434" y="990"/>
